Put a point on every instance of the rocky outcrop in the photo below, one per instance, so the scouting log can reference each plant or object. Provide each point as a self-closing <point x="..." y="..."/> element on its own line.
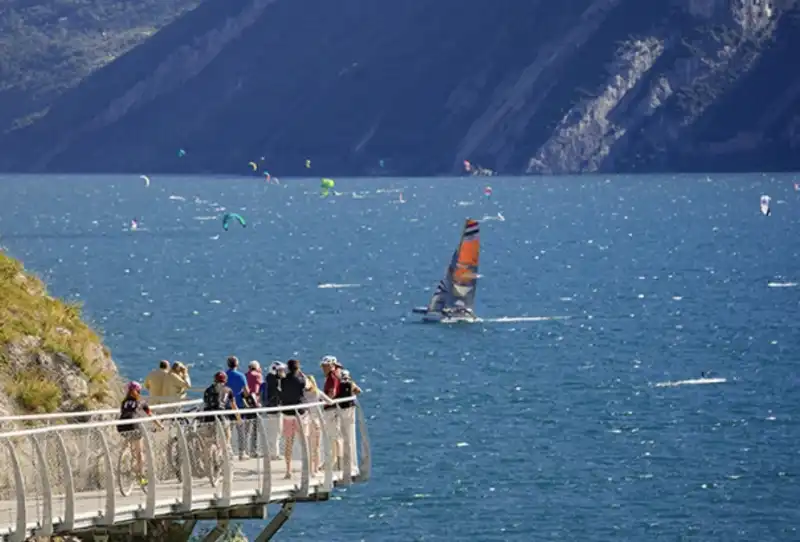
<point x="50" y="360"/>
<point x="416" y="87"/>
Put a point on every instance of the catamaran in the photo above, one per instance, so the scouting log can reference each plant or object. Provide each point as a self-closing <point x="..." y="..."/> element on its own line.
<point x="454" y="298"/>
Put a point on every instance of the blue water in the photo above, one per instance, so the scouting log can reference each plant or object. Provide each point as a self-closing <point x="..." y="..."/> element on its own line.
<point x="567" y="438"/>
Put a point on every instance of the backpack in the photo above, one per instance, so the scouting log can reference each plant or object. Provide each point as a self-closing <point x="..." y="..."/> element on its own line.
<point x="212" y="399"/>
<point x="249" y="399"/>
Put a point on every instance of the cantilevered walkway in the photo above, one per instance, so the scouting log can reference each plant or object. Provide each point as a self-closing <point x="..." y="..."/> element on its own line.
<point x="61" y="476"/>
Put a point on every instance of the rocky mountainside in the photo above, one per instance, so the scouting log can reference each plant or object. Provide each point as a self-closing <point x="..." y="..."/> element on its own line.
<point x="50" y="360"/>
<point x="49" y="47"/>
<point x="522" y="86"/>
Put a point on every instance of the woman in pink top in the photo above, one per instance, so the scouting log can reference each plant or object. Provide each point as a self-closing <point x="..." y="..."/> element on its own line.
<point x="254" y="379"/>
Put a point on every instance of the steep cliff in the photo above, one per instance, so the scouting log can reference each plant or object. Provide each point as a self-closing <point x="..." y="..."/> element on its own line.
<point x="420" y="85"/>
<point x="50" y="360"/>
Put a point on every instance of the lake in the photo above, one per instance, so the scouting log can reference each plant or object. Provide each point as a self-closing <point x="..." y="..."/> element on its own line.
<point x="545" y="421"/>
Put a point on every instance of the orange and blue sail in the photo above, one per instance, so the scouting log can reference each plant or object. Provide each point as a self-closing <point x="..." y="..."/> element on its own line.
<point x="458" y="287"/>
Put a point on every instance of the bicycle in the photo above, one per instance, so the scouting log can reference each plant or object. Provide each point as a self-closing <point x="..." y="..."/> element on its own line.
<point x="126" y="470"/>
<point x="189" y="426"/>
<point x="209" y="442"/>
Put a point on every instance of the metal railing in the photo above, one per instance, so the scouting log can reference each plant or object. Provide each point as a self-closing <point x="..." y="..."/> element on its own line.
<point x="69" y="477"/>
<point x="8" y="423"/>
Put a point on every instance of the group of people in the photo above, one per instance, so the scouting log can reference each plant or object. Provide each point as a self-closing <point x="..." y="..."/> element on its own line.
<point x="284" y="385"/>
<point x="168" y="384"/>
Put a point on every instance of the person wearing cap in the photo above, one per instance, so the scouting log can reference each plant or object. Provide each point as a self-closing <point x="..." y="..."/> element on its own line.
<point x="238" y="385"/>
<point x="271" y="397"/>
<point x="330" y="416"/>
<point x="347" y="415"/>
<point x="254" y="380"/>
<point x="219" y="396"/>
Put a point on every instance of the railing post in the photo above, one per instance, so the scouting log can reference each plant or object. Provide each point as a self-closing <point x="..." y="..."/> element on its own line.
<point x="305" y="478"/>
<point x="111" y="502"/>
<point x="19" y="484"/>
<point x="43" y="472"/>
<point x="266" y="462"/>
<point x="69" y="484"/>
<point x="186" y="468"/>
<point x="365" y="458"/>
<point x="327" y="449"/>
<point x="227" y="475"/>
<point x="345" y="427"/>
<point x="152" y="476"/>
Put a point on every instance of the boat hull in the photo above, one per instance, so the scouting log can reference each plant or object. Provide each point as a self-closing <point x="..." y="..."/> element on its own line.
<point x="438" y="317"/>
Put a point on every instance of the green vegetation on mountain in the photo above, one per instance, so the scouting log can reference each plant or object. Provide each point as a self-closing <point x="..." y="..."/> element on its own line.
<point x="47" y="47"/>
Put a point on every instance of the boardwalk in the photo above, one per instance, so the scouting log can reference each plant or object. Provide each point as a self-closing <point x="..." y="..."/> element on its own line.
<point x="64" y="478"/>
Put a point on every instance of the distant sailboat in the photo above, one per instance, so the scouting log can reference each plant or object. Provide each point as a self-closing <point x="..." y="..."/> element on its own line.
<point x="454" y="298"/>
<point x="765" y="201"/>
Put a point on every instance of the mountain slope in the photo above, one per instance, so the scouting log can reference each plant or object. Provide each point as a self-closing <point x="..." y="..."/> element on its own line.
<point x="48" y="47"/>
<point x="578" y="85"/>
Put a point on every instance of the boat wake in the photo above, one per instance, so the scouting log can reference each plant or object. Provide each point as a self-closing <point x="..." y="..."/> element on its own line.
<point x="692" y="382"/>
<point x="499" y="217"/>
<point x="334" y="285"/>
<point x="515" y="319"/>
<point x="781" y="284"/>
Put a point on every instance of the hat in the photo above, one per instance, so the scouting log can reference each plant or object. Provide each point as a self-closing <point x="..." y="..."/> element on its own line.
<point x="329" y="360"/>
<point x="345" y="374"/>
<point x="255" y="365"/>
<point x="276" y="366"/>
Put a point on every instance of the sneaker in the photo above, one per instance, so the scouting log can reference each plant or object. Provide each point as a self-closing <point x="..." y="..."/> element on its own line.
<point x="243" y="457"/>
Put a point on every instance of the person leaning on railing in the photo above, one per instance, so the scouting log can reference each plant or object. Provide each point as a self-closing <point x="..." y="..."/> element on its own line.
<point x="176" y="383"/>
<point x="218" y="396"/>
<point x="347" y="414"/>
<point x="154" y="382"/>
<point x="271" y="397"/>
<point x="293" y="388"/>
<point x="330" y="417"/>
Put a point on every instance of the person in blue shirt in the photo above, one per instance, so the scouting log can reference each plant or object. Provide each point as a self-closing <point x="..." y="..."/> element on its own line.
<point x="237" y="382"/>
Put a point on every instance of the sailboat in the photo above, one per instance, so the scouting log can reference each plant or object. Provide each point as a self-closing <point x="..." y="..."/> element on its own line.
<point x="454" y="298"/>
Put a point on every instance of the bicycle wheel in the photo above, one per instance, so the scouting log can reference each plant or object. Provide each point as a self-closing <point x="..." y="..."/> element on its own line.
<point x="196" y="456"/>
<point x="174" y="458"/>
<point x="125" y="470"/>
<point x="214" y="464"/>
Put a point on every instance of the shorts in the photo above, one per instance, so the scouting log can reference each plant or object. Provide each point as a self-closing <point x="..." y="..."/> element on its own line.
<point x="132" y="433"/>
<point x="291" y="425"/>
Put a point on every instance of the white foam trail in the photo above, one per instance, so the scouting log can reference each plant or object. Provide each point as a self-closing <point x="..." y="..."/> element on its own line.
<point x="334" y="285"/>
<point x="177" y="198"/>
<point x="465" y="203"/>
<point x="513" y="319"/>
<point x="692" y="382"/>
<point x="205" y="217"/>
<point x="499" y="217"/>
<point x="781" y="284"/>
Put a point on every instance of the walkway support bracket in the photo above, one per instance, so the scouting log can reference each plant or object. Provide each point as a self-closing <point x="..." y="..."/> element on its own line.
<point x="276" y="522"/>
